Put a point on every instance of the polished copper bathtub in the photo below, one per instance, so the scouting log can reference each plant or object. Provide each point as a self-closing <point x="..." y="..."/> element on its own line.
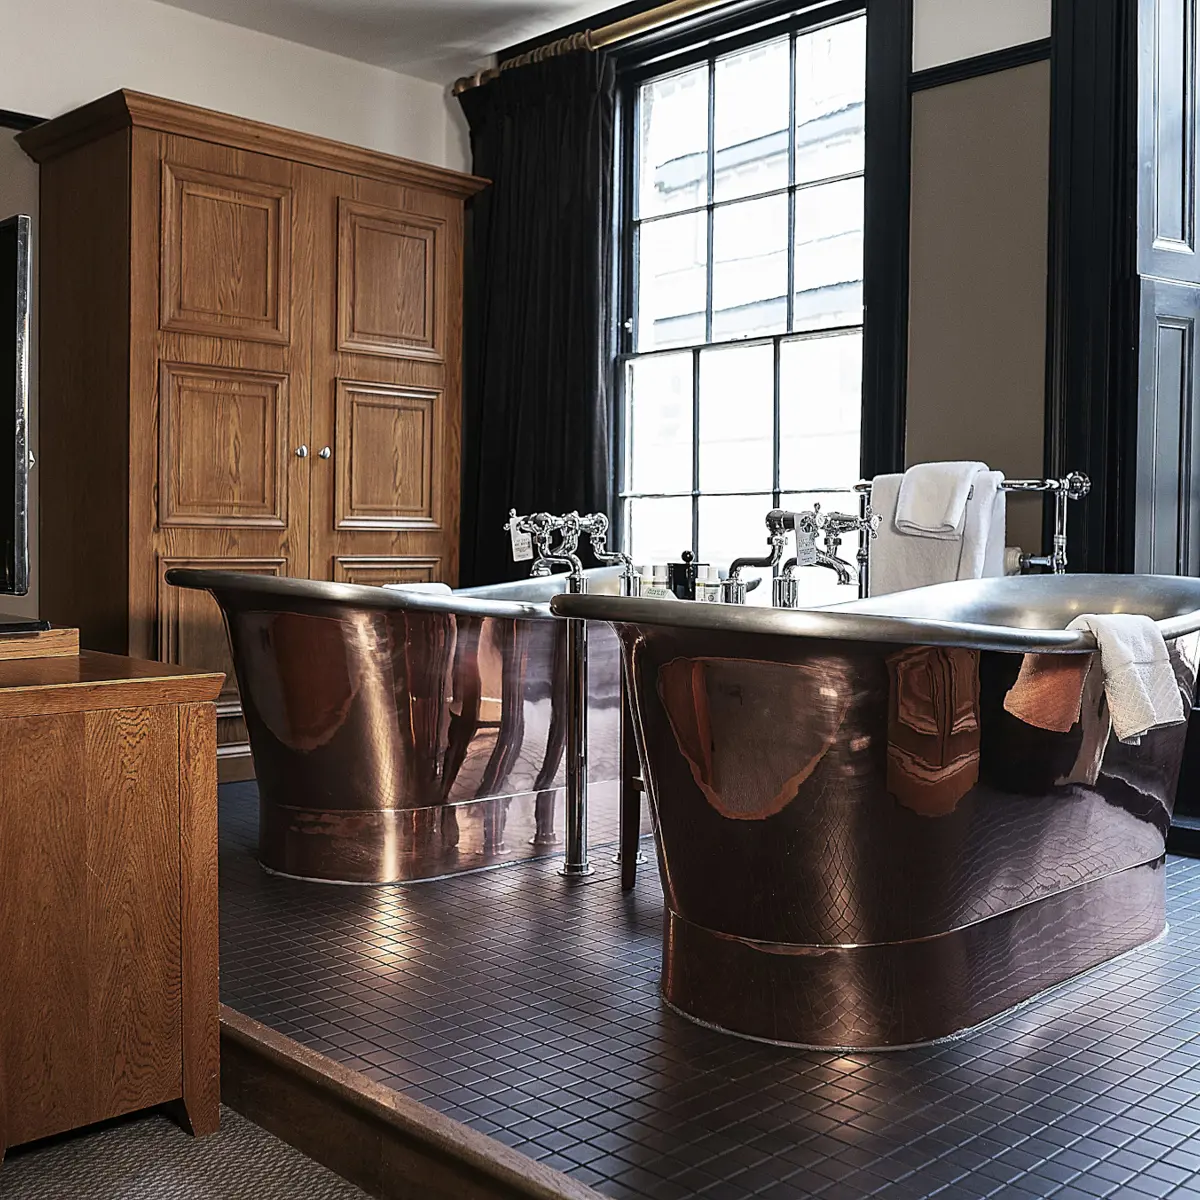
<point x="859" y="846"/>
<point x="409" y="735"/>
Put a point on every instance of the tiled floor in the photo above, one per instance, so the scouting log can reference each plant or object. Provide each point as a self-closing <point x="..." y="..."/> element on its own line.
<point x="528" y="1007"/>
<point x="149" y="1157"/>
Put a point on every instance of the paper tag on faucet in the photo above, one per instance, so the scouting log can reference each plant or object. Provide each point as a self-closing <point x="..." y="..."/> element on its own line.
<point x="522" y="544"/>
<point x="806" y="548"/>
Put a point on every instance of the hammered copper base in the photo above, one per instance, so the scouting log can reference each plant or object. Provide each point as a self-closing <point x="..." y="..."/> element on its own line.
<point x="907" y="993"/>
<point x="406" y="845"/>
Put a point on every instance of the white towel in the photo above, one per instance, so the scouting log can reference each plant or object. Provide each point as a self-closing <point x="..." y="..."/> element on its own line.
<point x="437" y="589"/>
<point x="933" y="498"/>
<point x="900" y="560"/>
<point x="1139" y="682"/>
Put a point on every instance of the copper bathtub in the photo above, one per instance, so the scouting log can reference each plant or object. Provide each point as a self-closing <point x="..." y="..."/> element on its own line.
<point x="859" y="846"/>
<point x="408" y="735"/>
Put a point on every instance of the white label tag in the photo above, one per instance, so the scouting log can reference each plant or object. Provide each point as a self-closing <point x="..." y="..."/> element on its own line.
<point x="806" y="548"/>
<point x="522" y="545"/>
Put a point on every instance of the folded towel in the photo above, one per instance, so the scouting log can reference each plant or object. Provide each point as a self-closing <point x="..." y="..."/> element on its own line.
<point x="1139" y="682"/>
<point x="437" y="589"/>
<point x="933" y="498"/>
<point x="902" y="560"/>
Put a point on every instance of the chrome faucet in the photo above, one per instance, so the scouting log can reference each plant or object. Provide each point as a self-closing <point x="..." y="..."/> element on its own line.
<point x="831" y="527"/>
<point x="733" y="588"/>
<point x="596" y="527"/>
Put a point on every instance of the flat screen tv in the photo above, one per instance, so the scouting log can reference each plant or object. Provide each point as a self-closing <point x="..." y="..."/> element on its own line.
<point x="15" y="281"/>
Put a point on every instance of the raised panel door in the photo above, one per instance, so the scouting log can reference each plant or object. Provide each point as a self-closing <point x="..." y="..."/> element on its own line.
<point x="386" y="392"/>
<point x="221" y="330"/>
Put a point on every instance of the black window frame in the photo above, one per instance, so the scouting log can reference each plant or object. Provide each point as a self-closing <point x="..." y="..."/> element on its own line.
<point x="885" y="168"/>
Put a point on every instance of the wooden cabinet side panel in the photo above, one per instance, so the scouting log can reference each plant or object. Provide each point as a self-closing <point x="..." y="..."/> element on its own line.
<point x="199" y="930"/>
<point x="83" y="469"/>
<point x="43" y="829"/>
<point x="133" y="903"/>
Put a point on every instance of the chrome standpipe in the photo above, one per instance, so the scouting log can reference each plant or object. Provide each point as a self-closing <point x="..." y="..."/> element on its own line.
<point x="575" y="860"/>
<point x="536" y="533"/>
<point x="628" y="856"/>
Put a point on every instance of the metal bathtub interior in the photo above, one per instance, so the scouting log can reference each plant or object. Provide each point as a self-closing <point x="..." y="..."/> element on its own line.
<point x="409" y="735"/>
<point x="859" y="846"/>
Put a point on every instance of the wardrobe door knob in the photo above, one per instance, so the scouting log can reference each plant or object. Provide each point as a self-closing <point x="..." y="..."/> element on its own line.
<point x="325" y="452"/>
<point x="301" y="451"/>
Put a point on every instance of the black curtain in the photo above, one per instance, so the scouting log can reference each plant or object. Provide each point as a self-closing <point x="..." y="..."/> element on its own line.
<point x="537" y="415"/>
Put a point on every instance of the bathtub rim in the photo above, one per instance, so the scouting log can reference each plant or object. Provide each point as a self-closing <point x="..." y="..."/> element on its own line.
<point x="854" y="622"/>
<point x="285" y="593"/>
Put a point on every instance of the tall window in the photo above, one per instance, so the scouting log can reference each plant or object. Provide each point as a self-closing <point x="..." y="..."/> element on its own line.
<point x="743" y="378"/>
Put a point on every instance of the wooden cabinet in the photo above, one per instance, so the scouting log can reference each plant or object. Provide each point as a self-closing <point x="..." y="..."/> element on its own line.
<point x="108" y="892"/>
<point x="250" y="346"/>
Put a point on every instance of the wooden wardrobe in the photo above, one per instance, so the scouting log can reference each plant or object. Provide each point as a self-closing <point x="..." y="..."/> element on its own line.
<point x="250" y="359"/>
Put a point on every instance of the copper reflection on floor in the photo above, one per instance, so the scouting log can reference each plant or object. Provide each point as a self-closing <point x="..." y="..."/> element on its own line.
<point x="527" y="1007"/>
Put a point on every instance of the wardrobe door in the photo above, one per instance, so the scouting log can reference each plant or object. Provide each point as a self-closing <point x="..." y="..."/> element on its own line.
<point x="387" y="340"/>
<point x="219" y="393"/>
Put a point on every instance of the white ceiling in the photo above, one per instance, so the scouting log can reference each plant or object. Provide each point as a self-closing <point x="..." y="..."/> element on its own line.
<point x="432" y="39"/>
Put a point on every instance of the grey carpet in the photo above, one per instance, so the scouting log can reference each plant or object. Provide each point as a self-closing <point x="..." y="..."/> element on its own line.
<point x="151" y="1158"/>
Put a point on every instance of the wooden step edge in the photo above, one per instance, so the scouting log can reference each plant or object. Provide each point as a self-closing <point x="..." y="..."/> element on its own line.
<point x="392" y="1147"/>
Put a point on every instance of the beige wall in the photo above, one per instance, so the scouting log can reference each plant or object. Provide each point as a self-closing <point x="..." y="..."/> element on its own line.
<point x="58" y="54"/>
<point x="977" y="271"/>
<point x="946" y="31"/>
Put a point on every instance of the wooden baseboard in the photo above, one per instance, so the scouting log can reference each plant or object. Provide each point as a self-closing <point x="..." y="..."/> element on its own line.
<point x="390" y="1146"/>
<point x="235" y="767"/>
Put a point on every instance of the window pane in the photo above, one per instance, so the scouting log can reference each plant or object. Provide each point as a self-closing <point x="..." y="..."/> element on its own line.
<point x="658" y="424"/>
<point x="820" y="411"/>
<point x="750" y="268"/>
<point x="659" y="531"/>
<point x="750" y="121"/>
<point x="735" y="527"/>
<point x="672" y="158"/>
<point x="737" y="419"/>
<point x="829" y="255"/>
<point x="830" y="86"/>
<point x="672" y="281"/>
<point x="819" y="585"/>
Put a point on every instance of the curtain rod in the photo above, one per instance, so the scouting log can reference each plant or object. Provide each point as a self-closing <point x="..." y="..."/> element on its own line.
<point x="594" y="39"/>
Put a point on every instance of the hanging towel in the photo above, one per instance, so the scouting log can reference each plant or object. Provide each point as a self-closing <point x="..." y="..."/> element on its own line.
<point x="933" y="498"/>
<point x="1048" y="692"/>
<point x="901" y="560"/>
<point x="1139" y="682"/>
<point x="1096" y="723"/>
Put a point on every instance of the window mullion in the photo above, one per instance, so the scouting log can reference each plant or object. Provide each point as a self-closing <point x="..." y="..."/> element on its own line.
<point x="709" y="214"/>
<point x="696" y="453"/>
<point x="778" y="421"/>
<point x="791" y="202"/>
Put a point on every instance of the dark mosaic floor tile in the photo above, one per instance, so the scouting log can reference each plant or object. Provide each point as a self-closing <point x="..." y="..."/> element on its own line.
<point x="529" y="1009"/>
